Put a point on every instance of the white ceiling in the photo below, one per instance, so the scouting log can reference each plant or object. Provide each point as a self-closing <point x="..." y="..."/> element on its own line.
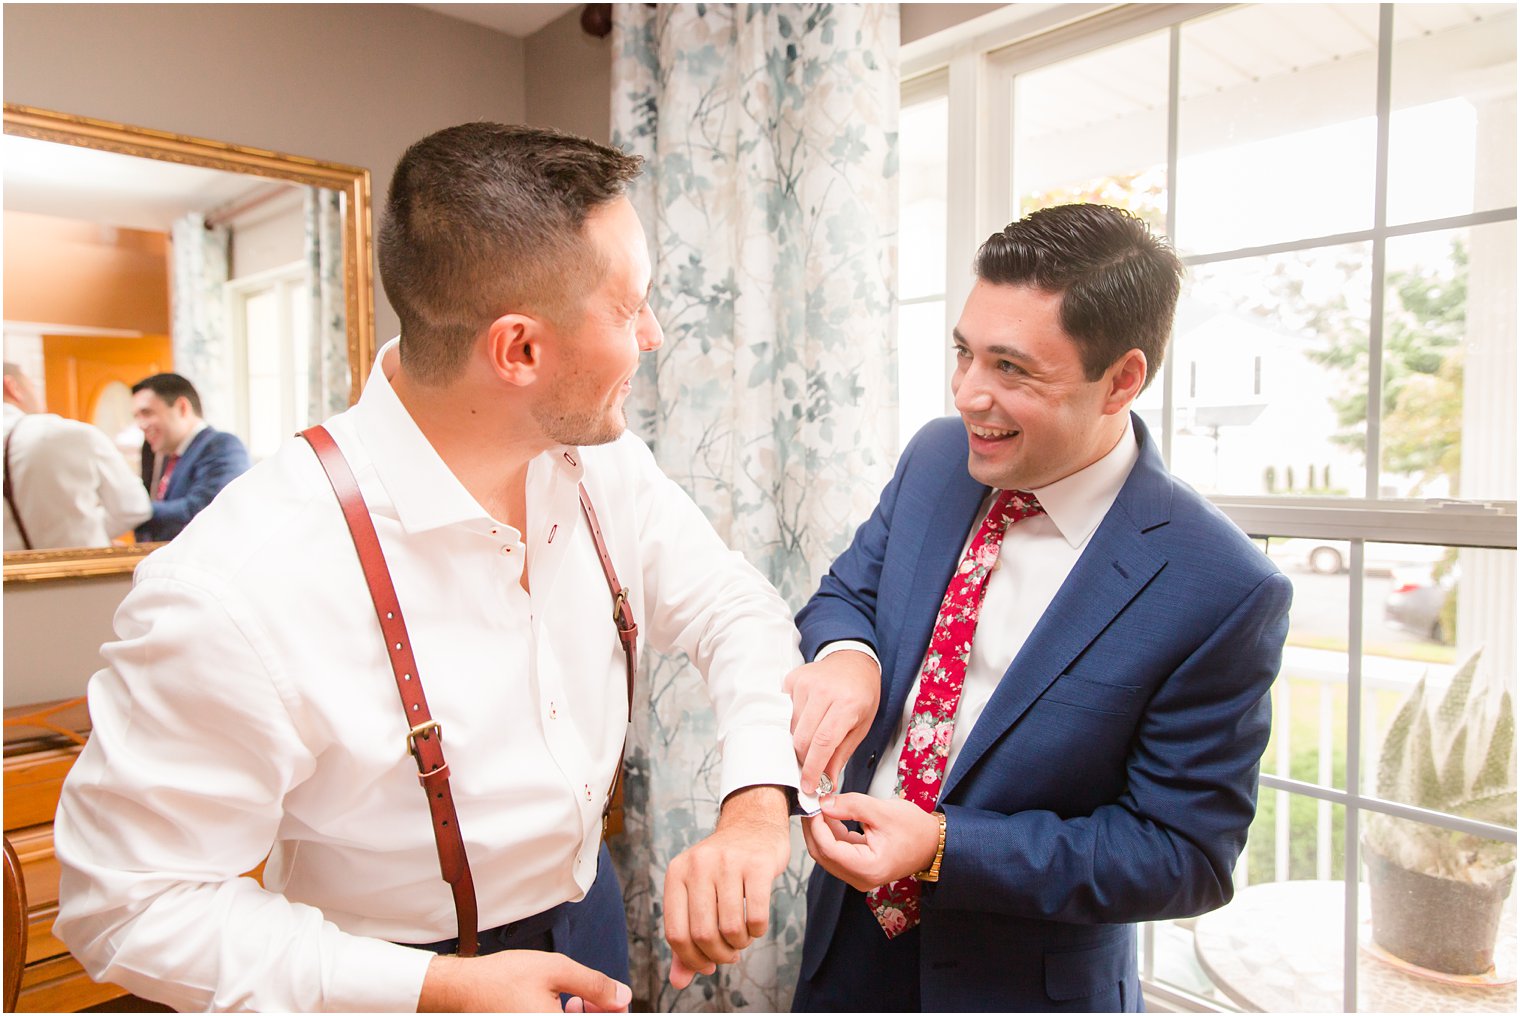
<point x="114" y="190"/>
<point x="514" y="19"/>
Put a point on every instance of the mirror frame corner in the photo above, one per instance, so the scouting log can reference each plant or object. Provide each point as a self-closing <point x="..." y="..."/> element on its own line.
<point x="358" y="283"/>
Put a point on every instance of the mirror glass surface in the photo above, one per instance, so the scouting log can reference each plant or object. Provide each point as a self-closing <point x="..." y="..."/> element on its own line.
<point x="130" y="252"/>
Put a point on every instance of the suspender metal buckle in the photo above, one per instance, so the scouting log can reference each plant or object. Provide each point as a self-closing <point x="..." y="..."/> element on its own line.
<point x="421" y="730"/>
<point x="618" y="603"/>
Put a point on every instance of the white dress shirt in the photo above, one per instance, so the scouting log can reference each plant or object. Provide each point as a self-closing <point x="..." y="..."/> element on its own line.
<point x="71" y="485"/>
<point x="249" y="703"/>
<point x="1037" y="555"/>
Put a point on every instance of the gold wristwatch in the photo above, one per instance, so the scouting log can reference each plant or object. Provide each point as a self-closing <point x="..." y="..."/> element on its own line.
<point x="931" y="874"/>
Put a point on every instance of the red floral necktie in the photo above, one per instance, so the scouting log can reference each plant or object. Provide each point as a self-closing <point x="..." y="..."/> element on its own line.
<point x="163" y="481"/>
<point x="931" y="725"/>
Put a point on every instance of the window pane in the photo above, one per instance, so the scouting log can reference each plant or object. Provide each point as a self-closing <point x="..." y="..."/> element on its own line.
<point x="1266" y="390"/>
<point x="924" y="147"/>
<point x="1431" y="942"/>
<point x="922" y="351"/>
<point x="1459" y="602"/>
<point x="1093" y="128"/>
<point x="1449" y="365"/>
<point x="1277" y="125"/>
<point x="1451" y="140"/>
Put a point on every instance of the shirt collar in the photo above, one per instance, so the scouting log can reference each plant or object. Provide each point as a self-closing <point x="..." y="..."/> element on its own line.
<point x="423" y="490"/>
<point x="1077" y="503"/>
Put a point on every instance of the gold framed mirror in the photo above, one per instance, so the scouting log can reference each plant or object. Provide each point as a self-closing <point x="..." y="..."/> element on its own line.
<point x="351" y="183"/>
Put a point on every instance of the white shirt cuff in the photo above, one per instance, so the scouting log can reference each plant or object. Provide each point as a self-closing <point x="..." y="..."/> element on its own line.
<point x="757" y="756"/>
<point x="371" y="975"/>
<point x="842" y="644"/>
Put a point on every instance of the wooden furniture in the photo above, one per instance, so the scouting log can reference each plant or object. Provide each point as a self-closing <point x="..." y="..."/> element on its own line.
<point x="15" y="926"/>
<point x="36" y="761"/>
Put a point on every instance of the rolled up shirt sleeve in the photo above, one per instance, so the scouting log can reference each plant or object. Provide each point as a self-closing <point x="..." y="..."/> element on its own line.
<point x="177" y="794"/>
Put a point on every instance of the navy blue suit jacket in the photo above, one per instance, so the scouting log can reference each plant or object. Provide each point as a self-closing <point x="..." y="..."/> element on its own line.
<point x="1112" y="775"/>
<point x="212" y="461"/>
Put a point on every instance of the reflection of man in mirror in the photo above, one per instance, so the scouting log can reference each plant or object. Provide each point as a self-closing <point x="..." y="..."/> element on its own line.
<point x="65" y="483"/>
<point x="252" y="708"/>
<point x="186" y="462"/>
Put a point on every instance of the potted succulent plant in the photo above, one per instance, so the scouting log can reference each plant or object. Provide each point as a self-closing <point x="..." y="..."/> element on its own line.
<point x="1437" y="894"/>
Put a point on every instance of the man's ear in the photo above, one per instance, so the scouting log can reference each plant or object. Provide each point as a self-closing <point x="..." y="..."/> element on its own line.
<point x="1124" y="378"/>
<point x="515" y="344"/>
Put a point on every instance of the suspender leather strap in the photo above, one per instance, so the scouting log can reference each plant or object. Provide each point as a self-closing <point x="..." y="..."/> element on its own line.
<point x="628" y="635"/>
<point x="425" y="738"/>
<point x="26" y="541"/>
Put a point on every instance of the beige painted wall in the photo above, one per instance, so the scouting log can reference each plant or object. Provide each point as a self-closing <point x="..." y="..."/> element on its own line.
<point x="346" y="83"/>
<point x="569" y="79"/>
<point x="53" y="635"/>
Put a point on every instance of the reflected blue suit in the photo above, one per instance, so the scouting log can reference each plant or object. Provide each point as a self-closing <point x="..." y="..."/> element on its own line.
<point x="214" y="459"/>
<point x="1111" y="777"/>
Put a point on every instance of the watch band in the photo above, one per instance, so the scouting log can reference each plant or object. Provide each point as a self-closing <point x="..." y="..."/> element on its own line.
<point x="931" y="873"/>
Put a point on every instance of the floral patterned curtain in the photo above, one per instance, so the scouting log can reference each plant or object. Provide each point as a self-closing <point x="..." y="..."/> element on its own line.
<point x="328" y="349"/>
<point x="769" y="197"/>
<point x="201" y="335"/>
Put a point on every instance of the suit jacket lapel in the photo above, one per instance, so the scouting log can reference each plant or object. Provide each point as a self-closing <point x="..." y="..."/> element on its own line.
<point x="1113" y="569"/>
<point x="182" y="467"/>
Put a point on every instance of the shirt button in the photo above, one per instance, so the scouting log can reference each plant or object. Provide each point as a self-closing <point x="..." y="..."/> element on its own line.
<point x="506" y="549"/>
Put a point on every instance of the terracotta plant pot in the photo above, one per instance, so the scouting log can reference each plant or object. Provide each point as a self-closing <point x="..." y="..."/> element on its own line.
<point x="1435" y="923"/>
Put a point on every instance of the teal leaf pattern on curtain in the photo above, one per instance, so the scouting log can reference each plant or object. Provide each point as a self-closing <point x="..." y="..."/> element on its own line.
<point x="327" y="352"/>
<point x="769" y="196"/>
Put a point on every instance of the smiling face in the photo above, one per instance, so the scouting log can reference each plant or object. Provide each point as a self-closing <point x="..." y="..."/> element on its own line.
<point x="1031" y="414"/>
<point x="164" y="425"/>
<point x="600" y="353"/>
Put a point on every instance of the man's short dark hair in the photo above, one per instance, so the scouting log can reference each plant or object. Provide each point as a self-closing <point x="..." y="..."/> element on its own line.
<point x="170" y="387"/>
<point x="1118" y="281"/>
<point x="484" y="219"/>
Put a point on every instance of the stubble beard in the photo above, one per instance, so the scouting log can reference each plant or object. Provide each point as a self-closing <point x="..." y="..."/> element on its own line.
<point x="582" y="428"/>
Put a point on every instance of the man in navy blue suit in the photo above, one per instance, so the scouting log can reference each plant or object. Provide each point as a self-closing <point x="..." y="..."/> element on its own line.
<point x="186" y="462"/>
<point x="1072" y="677"/>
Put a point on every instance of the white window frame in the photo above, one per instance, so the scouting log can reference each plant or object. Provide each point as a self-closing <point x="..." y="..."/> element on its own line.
<point x="977" y="61"/>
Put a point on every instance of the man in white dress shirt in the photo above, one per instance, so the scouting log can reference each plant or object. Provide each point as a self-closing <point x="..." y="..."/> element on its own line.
<point x="67" y="484"/>
<point x="249" y="706"/>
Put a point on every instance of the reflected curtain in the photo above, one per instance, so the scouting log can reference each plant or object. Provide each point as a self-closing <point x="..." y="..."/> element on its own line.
<point x="327" y="351"/>
<point x="201" y="332"/>
<point x="769" y="196"/>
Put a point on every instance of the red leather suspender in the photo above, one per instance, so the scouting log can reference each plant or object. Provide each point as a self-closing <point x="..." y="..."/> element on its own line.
<point x="26" y="541"/>
<point x="425" y="737"/>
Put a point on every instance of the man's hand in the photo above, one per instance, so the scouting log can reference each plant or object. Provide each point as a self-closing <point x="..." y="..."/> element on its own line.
<point x="897" y="838"/>
<point x="518" y="981"/>
<point x="718" y="893"/>
<point x="833" y="704"/>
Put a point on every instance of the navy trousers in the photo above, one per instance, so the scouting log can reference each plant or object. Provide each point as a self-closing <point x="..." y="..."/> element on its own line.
<point x="593" y="932"/>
